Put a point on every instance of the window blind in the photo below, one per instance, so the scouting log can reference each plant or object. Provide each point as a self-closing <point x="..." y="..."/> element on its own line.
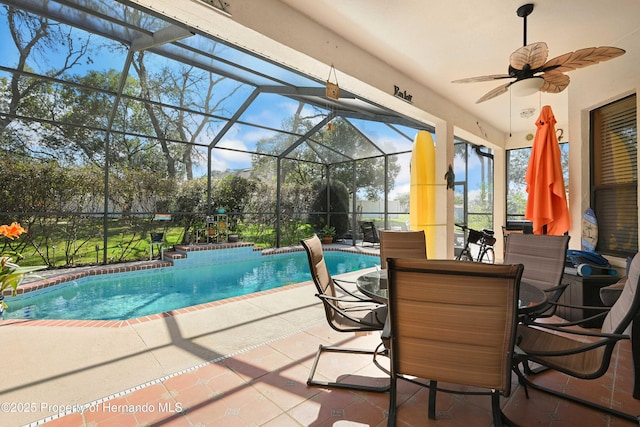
<point x="614" y="168"/>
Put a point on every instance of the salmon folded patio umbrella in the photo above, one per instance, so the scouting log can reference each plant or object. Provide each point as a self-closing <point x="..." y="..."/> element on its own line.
<point x="546" y="200"/>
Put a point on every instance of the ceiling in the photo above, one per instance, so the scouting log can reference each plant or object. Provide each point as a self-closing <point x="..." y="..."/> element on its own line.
<point x="437" y="42"/>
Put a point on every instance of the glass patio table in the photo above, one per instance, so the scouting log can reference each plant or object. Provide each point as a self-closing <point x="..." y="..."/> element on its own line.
<point x="374" y="285"/>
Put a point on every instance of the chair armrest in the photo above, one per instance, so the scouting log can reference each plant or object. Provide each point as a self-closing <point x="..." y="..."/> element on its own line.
<point x="556" y="288"/>
<point x="348" y="292"/>
<point x="528" y="320"/>
<point x="342" y="299"/>
<point x="609" y="294"/>
<point x="330" y="301"/>
<point x="581" y="345"/>
<point x="533" y="354"/>
<point x="343" y="281"/>
<point x="386" y="332"/>
<point x="385" y="336"/>
<point x="582" y="307"/>
<point x="562" y="327"/>
<point x="587" y="347"/>
<point x="337" y="283"/>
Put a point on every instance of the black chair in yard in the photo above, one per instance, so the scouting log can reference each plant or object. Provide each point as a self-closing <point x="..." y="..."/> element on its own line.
<point x="369" y="233"/>
<point x="158" y="240"/>
<point x="345" y="312"/>
<point x="452" y="322"/>
<point x="584" y="353"/>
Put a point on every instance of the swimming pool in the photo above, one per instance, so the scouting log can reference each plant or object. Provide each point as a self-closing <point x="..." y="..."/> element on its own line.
<point x="128" y="295"/>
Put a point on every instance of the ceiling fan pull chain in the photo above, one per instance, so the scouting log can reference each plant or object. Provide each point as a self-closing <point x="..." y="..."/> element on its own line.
<point x="539" y="121"/>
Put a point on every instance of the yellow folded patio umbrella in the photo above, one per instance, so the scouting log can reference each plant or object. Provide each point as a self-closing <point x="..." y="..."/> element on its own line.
<point x="546" y="201"/>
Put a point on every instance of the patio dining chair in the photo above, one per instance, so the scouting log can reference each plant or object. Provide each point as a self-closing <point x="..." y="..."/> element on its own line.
<point x="369" y="233"/>
<point x="580" y="352"/>
<point x="158" y="240"/>
<point x="345" y="312"/>
<point x="543" y="257"/>
<point x="402" y="244"/>
<point x="460" y="329"/>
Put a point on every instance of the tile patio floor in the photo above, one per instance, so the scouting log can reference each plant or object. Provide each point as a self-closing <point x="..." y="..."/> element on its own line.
<point x="245" y="363"/>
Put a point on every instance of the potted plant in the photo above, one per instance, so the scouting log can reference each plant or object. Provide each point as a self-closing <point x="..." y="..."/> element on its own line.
<point x="328" y="233"/>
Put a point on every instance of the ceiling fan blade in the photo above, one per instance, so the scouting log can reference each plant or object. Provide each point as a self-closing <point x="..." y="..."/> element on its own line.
<point x="534" y="55"/>
<point x="483" y="78"/>
<point x="582" y="58"/>
<point x="554" y="82"/>
<point x="495" y="92"/>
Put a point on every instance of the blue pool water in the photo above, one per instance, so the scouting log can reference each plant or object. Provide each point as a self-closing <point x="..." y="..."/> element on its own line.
<point x="128" y="295"/>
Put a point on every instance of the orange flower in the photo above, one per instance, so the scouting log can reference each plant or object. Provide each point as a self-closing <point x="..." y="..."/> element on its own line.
<point x="12" y="231"/>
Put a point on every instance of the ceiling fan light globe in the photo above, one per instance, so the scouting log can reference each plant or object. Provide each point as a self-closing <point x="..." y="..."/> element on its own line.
<point x="526" y="87"/>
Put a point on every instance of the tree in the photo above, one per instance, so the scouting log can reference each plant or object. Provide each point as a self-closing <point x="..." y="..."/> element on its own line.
<point x="37" y="39"/>
<point x="44" y="193"/>
<point x="189" y="204"/>
<point x="233" y="194"/>
<point x="306" y="167"/>
<point x="369" y="176"/>
<point x="328" y="147"/>
<point x="517" y="161"/>
<point x="403" y="200"/>
<point x="334" y="200"/>
<point x="83" y="104"/>
<point x="180" y="102"/>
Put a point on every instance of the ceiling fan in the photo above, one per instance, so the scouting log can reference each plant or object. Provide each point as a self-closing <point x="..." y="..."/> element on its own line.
<point x="529" y="63"/>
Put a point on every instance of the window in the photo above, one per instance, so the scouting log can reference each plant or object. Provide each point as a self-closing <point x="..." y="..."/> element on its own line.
<point x="614" y="176"/>
<point x="517" y="164"/>
<point x="473" y="167"/>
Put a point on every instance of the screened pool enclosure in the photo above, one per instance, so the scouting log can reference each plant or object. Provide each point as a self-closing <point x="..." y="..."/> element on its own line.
<point x="112" y="114"/>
